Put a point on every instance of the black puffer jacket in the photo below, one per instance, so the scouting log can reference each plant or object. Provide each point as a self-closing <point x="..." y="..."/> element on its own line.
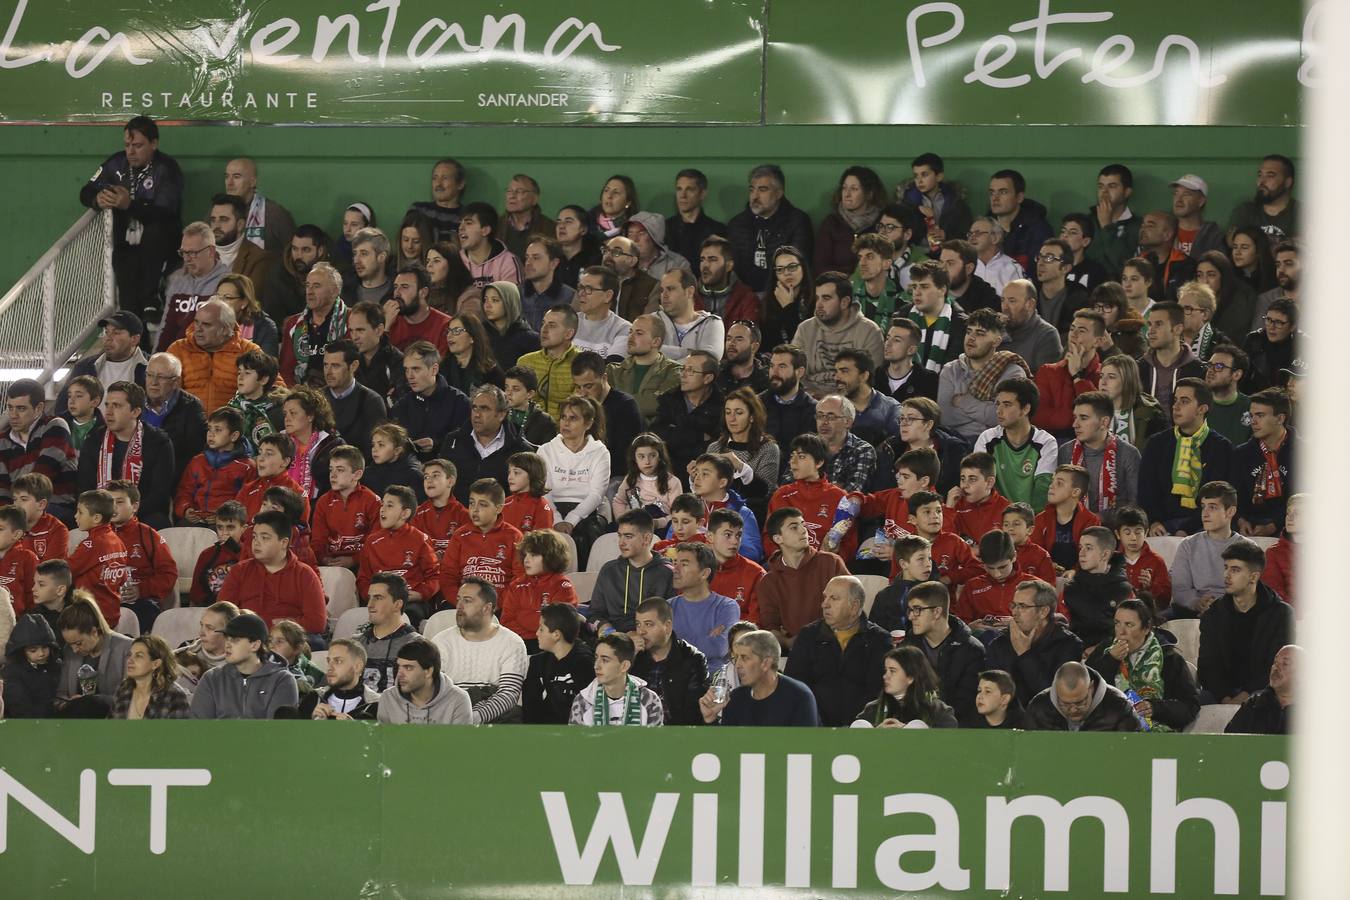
<point x="683" y="680"/>
<point x="1219" y="666"/>
<point x="1092" y="599"/>
<point x="842" y="680"/>
<point x="1034" y="670"/>
<point x="31" y="690"/>
<point x="1110" y="710"/>
<point x="959" y="663"/>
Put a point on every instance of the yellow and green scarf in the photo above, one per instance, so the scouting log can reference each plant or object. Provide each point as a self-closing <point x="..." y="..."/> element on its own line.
<point x="1187" y="469"/>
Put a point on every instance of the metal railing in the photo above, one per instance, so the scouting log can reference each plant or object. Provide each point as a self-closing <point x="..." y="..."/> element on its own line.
<point x="53" y="310"/>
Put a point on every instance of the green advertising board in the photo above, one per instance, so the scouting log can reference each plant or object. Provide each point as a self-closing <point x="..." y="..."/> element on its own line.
<point x="1105" y="62"/>
<point x="329" y="809"/>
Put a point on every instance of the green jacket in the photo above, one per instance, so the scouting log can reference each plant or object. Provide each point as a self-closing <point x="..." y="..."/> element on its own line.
<point x="1114" y="244"/>
<point x="881" y="309"/>
<point x="662" y="376"/>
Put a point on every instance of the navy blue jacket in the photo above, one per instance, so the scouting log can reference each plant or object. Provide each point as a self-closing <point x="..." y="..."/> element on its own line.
<point x="1155" y="478"/>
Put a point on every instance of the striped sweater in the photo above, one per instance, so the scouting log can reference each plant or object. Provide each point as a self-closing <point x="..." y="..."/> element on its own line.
<point x="492" y="671"/>
<point x="49" y="452"/>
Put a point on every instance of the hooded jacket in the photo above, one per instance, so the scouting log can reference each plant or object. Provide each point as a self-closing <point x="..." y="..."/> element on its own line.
<point x="500" y="265"/>
<point x="1109" y="710"/>
<point x="551" y="684"/>
<point x="789" y="599"/>
<point x="225" y="693"/>
<point x="364" y="696"/>
<point x="755" y="240"/>
<point x="1221" y="670"/>
<point x="510" y="345"/>
<point x="734" y="303"/>
<point x="842" y="678"/>
<point x="621" y="586"/>
<point x="450" y="705"/>
<point x="651" y="711"/>
<point x="183" y="293"/>
<point x="822" y="342"/>
<point x="1034" y="670"/>
<point x="30" y="690"/>
<point x="210" y="375"/>
<point x="1092" y="599"/>
<point x="954" y="218"/>
<point x="666" y="260"/>
<point x="295" y="592"/>
<point x="382" y="655"/>
<point x="580" y="477"/>
<point x="680" y="681"/>
<point x="431" y="416"/>
<point x="960" y="659"/>
<point x="211" y="478"/>
<point x="706" y="332"/>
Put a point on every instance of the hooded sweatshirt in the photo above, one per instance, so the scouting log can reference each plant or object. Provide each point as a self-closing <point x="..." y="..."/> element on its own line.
<point x="382" y="655"/>
<point x="182" y="294"/>
<point x="500" y="265"/>
<point x="30" y="690"/>
<point x="211" y="478"/>
<point x="1092" y="599"/>
<point x="580" y="478"/>
<point x="823" y="342"/>
<point x="706" y="332"/>
<point x="650" y="709"/>
<point x="226" y="693"/>
<point x="1109" y="710"/>
<point x="449" y="705"/>
<point x="621" y="586"/>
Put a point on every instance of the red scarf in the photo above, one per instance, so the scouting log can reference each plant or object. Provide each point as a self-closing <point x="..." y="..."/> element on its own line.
<point x="132" y="462"/>
<point x="1109" y="483"/>
<point x="1271" y="486"/>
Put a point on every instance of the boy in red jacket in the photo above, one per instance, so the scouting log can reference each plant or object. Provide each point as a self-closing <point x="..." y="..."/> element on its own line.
<point x="813" y="494"/>
<point x="18" y="564"/>
<point x="275" y="452"/>
<point x="292" y="504"/>
<point x="153" y="569"/>
<point x="218" y="473"/>
<point x="99" y="563"/>
<point x="953" y="563"/>
<point x="399" y="548"/>
<point x="737" y="577"/>
<point x="215" y="561"/>
<point x="345" y="515"/>
<point x="1059" y="526"/>
<point x="486" y="547"/>
<point x="686" y="525"/>
<point x="274" y="584"/>
<point x="1145" y="568"/>
<point x="978" y="504"/>
<point x="526" y="480"/>
<point x="543" y="562"/>
<point x="915" y="470"/>
<point x="441" y="514"/>
<point x="986" y="599"/>
<point x="46" y="535"/>
<point x="1018" y="520"/>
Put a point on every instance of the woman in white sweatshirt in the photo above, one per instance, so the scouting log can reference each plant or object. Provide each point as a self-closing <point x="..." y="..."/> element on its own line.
<point x="576" y="468"/>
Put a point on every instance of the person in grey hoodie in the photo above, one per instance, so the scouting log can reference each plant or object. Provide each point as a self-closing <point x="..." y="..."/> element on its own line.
<point x="95" y="648"/>
<point x="424" y="695"/>
<point x="191" y="284"/>
<point x="625" y="582"/>
<point x="1079" y="699"/>
<point x="252" y="684"/>
<point x="836" y="325"/>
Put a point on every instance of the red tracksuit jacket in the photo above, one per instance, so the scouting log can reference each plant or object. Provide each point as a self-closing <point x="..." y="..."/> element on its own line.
<point x="439" y="524"/>
<point x="48" y="538"/>
<point x="526" y="595"/>
<point x="1032" y="559"/>
<point x="17" y="568"/>
<point x="983" y="596"/>
<point x="975" y="520"/>
<point x="99" y="565"/>
<point x="1160" y="588"/>
<point x="527" y="513"/>
<point x="213" y="565"/>
<point x="490" y="556"/>
<point x="817" y="501"/>
<point x="294" y="593"/>
<point x="252" y="494"/>
<point x="205" y="487"/>
<point x="738" y="578"/>
<point x="341" y="526"/>
<point x="404" y="550"/>
<point x="1054" y="412"/>
<point x="300" y="546"/>
<point x="1043" y="531"/>
<point x="894" y="510"/>
<point x="951" y="559"/>
<point x="152" y="565"/>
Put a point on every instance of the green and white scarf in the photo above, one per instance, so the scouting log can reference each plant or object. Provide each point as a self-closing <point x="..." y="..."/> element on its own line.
<point x="308" y="341"/>
<point x="1144" y="675"/>
<point x="935" y="348"/>
<point x="632" y="706"/>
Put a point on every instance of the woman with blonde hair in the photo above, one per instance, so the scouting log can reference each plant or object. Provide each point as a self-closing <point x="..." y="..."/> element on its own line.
<point x="254" y="324"/>
<point x="1138" y="416"/>
<point x="150" y="690"/>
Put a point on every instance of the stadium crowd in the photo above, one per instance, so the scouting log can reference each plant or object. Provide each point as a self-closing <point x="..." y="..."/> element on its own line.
<point x="1001" y="420"/>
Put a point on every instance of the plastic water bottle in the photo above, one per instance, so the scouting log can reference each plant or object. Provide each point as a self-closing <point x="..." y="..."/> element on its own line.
<point x="720" y="687"/>
<point x="88" y="679"/>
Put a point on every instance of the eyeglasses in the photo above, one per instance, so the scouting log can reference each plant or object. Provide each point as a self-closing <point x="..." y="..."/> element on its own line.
<point x="787" y="269"/>
<point x="456" y="330"/>
<point x="1191" y="309"/>
<point x="1018" y="607"/>
<point x="586" y="290"/>
<point x="192" y="254"/>
<point x="1049" y="258"/>
<point x="614" y="251"/>
<point x="915" y="610"/>
<point x="1218" y="367"/>
<point x="911" y="420"/>
<point x="1278" y="323"/>
<point x="886" y="228"/>
<point x="149" y="376"/>
<point x="829" y="418"/>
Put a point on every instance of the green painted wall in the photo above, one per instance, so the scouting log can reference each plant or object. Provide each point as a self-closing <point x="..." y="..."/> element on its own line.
<point x="316" y="172"/>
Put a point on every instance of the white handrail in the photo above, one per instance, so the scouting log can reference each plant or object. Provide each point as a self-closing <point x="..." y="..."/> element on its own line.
<point x="45" y="260"/>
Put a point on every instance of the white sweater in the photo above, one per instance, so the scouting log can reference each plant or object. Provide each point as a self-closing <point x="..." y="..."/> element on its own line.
<point x="492" y="671"/>
<point x="580" y="478"/>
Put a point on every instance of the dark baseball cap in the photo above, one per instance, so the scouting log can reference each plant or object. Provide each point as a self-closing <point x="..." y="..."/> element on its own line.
<point x="247" y="626"/>
<point x="123" y="319"/>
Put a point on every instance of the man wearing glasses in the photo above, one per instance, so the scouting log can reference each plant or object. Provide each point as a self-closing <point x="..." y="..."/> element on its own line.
<point x="956" y="654"/>
<point x="1060" y="298"/>
<point x="1230" y="415"/>
<point x="191" y="284"/>
<point x="172" y="410"/>
<point x="1079" y="700"/>
<point x="996" y="267"/>
<point x="523" y="219"/>
<point x="1035" y="645"/>
<point x="638" y="291"/>
<point x="1273" y="348"/>
<point x="688" y="417"/>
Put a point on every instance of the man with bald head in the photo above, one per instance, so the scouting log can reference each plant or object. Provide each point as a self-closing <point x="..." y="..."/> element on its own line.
<point x="638" y="291"/>
<point x="209" y="352"/>
<point x="841" y="655"/>
<point x="268" y="224"/>
<point x="1158" y="244"/>
<point x="1268" y="710"/>
<point x="1029" y="336"/>
<point x="1080" y="700"/>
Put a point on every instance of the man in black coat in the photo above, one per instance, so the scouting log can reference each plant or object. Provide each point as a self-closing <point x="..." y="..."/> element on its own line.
<point x="769" y="221"/>
<point x="1242" y="631"/>
<point x="676" y="670"/>
<point x="154" y="472"/>
<point x="690" y="417"/>
<point x="1036" y="644"/>
<point x="356" y="408"/>
<point x="174" y="411"/>
<point x="1268" y="711"/>
<point x="956" y="655"/>
<point x="487" y="426"/>
<point x="789" y="409"/>
<point x="843" y="676"/>
<point x="965" y="287"/>
<point x="1080" y="700"/>
<point x="431" y="408"/>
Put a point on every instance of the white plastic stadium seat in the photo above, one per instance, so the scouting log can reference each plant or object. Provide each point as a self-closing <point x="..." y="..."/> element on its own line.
<point x="1166" y="547"/>
<point x="339" y="586"/>
<point x="605" y="548"/>
<point x="1213" y="718"/>
<point x="320" y="659"/>
<point x="128" y="624"/>
<point x="76" y="535"/>
<point x="872" y="584"/>
<point x="1187" y="632"/>
<point x="1265" y="543"/>
<point x="186" y="544"/>
<point x="177" y="626"/>
<point x="437" y="623"/>
<point x="571" y="551"/>
<point x="349" y="622"/>
<point x="584" y="583"/>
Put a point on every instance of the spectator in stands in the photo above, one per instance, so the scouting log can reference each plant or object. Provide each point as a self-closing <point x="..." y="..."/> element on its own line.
<point x="578" y="468"/>
<point x="308" y="419"/>
<point x="877" y="413"/>
<point x="485" y="255"/>
<point x="986" y="235"/>
<point x="1177" y="463"/>
<point x="627" y="700"/>
<point x="1143" y="566"/>
<point x="1168" y="359"/>
<point x="508" y="333"/>
<point x="1274" y="209"/>
<point x="636" y="575"/>
<point x="481" y="448"/>
<point x="552" y="362"/>
<point x="424" y="694"/>
<point x="580" y="245"/>
<point x="254" y="325"/>
<point x="742" y="366"/>
<point x="251" y="684"/>
<point x="737" y="576"/>
<point x="754" y="454"/>
<point x="1080" y="700"/>
<point x="942" y="203"/>
<point x="985" y="601"/>
<point x="431" y="407"/>
<point x="701" y="615"/>
<point x="483" y="657"/>
<point x="1112" y="464"/>
<point x="543" y="564"/>
<point x="1075" y="229"/>
<point x="764" y="697"/>
<point x="178" y="414"/>
<point x="1263" y="467"/>
<point x="543" y="288"/>
<point x="1124" y="326"/>
<point x="1231" y="414"/>
<point x="790" y="592"/>
<point x="618" y="202"/>
<point x="469" y="360"/>
<point x="942" y="325"/>
<point x="397" y="547"/>
<point x="192" y="284"/>
<point x="1268" y="710"/>
<point x="144" y="189"/>
<point x="673" y="668"/>
<point x="483" y="548"/>
<point x="93" y="663"/>
<point x="599" y="328"/>
<point x="121" y="359"/>
<point x="852" y="459"/>
<point x="996" y="703"/>
<point x="443" y="211"/>
<point x="1115" y="225"/>
<point x="1035" y="644"/>
<point x="964" y="287"/>
<point x="283" y="293"/>
<point x="1137" y="415"/>
<point x="32" y="669"/>
<point x="1272" y="349"/>
<point x="789" y="408"/>
<point x="1142" y="667"/>
<point x="1198" y="569"/>
<point x="153" y="571"/>
<point x="1194" y="235"/>
<point x="955" y="654"/>
<point x="441" y="515"/>
<point x="343" y="696"/>
<point x="84" y="396"/>
<point x="387" y="631"/>
<point x="1029" y="336"/>
<point x="407" y="316"/>
<point x="1279" y="571"/>
<point x="38" y="443"/>
<point x="1159" y="245"/>
<point x="521" y="388"/>
<point x="1060" y="297"/>
<point x="978" y="504"/>
<point x="1097" y="586"/>
<point x="305" y="334"/>
<point x="691" y="226"/>
<point x="98" y="563"/>
<point x="44" y="534"/>
<point x="371" y="266"/>
<point x="768" y="222"/>
<point x="356" y="408"/>
<point x="856" y="206"/>
<point x="1285" y="275"/>
<point x="149" y="691"/>
<point x="689" y="417"/>
<point x="561" y="668"/>
<point x="260" y="413"/>
<point x="649" y="483"/>
<point x="919" y="430"/>
<point x="1023" y="220"/>
<point x="909" y="696"/>
<point x="1252" y="258"/>
<point x="789" y="299"/>
<point x="647" y="231"/>
<point x="1079" y="371"/>
<point x="1243" y="631"/>
<point x="228" y="220"/>
<point x="274" y="583"/>
<point x="646" y="374"/>
<point x="210" y="644"/>
<point x="1025" y="455"/>
<point x="265" y="222"/>
<point x="380" y="366"/>
<point x="128" y="447"/>
<point x="720" y="291"/>
<point x="208" y="353"/>
<point x="346" y="514"/>
<point x="897" y="375"/>
<point x="638" y="291"/>
<point x="1235" y="303"/>
<point x="687" y="328"/>
<point x="522" y="217"/>
<point x="623" y="419"/>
